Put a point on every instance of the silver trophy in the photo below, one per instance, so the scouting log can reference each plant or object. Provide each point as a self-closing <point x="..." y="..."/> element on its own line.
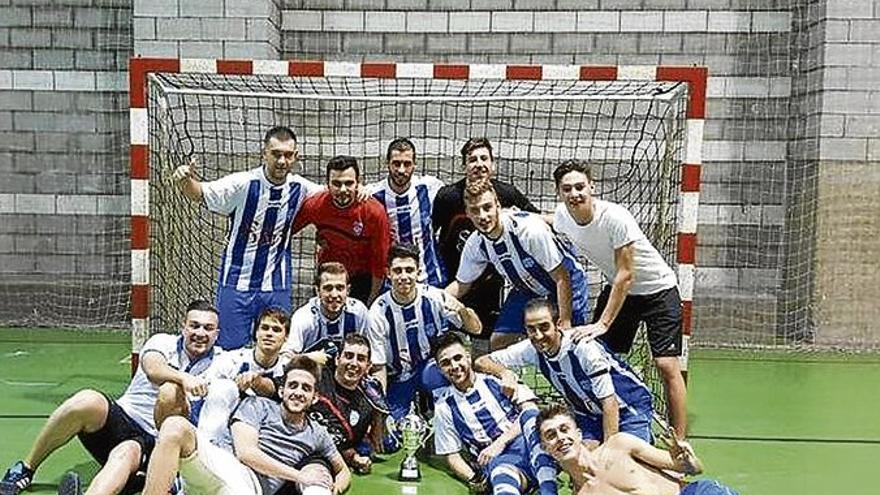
<point x="414" y="432"/>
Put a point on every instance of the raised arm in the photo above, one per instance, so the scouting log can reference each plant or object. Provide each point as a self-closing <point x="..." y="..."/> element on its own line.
<point x="185" y="175"/>
<point x="563" y="294"/>
<point x="509" y="379"/>
<point x="680" y="457"/>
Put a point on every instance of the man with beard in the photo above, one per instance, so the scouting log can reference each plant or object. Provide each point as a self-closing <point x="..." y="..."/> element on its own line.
<point x="344" y="406"/>
<point x="408" y="200"/>
<point x="261" y="205"/>
<point x="273" y="447"/>
<point x="533" y="260"/>
<point x="452" y="225"/>
<point x="605" y="394"/>
<point x="623" y="464"/>
<point x="354" y="233"/>
<point x="120" y="433"/>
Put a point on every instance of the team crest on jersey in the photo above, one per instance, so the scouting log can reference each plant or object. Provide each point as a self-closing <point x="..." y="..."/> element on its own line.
<point x="357" y="227"/>
<point x="353" y="418"/>
<point x="528" y="262"/>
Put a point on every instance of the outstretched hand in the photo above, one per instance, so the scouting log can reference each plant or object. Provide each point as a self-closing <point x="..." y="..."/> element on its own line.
<point x="185" y="172"/>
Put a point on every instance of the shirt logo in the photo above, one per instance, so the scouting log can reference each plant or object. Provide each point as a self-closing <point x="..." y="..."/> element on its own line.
<point x="357" y="227"/>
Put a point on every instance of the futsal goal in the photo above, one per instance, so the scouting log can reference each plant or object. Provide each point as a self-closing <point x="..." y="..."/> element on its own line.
<point x="639" y="126"/>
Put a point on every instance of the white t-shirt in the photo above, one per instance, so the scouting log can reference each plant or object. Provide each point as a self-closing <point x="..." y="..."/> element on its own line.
<point x="614" y="227"/>
<point x="139" y="398"/>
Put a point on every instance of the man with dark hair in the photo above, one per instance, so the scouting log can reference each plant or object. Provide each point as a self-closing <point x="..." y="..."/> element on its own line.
<point x="452" y="225"/>
<point x="326" y="319"/>
<point x="346" y="406"/>
<point x="530" y="256"/>
<point x="354" y="233"/>
<point x="407" y="199"/>
<point x="261" y="204"/>
<point x="606" y="395"/>
<point x="271" y="445"/>
<point x="120" y="433"/>
<point x="403" y="323"/>
<point x="495" y="426"/>
<point x="640" y="285"/>
<point x="623" y="463"/>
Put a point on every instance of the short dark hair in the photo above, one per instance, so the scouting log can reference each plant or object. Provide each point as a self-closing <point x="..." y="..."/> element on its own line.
<point x="403" y="250"/>
<point x="476" y="189"/>
<point x="474" y="143"/>
<point x="356" y="339"/>
<point x="343" y="162"/>
<point x="275" y="313"/>
<point x="400" y="144"/>
<point x="573" y="165"/>
<point x="542" y="303"/>
<point x="300" y="362"/>
<point x="333" y="267"/>
<point x="279" y="132"/>
<point x="201" y="305"/>
<point x="551" y="411"/>
<point x="446" y="340"/>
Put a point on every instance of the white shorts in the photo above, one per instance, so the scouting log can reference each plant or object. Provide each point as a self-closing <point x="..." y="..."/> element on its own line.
<point x="211" y="470"/>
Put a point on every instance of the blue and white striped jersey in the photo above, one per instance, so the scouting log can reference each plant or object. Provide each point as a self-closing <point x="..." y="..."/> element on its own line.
<point x="139" y="398"/>
<point x="474" y="418"/>
<point x="409" y="215"/>
<point x="401" y="335"/>
<point x="257" y="254"/>
<point x="583" y="373"/>
<point x="309" y="325"/>
<point x="230" y="364"/>
<point x="524" y="255"/>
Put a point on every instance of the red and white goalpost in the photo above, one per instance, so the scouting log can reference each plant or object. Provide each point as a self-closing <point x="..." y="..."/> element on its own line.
<point x="641" y="127"/>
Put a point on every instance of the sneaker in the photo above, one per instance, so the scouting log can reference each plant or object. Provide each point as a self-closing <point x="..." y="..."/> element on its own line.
<point x="70" y="484"/>
<point x="16" y="479"/>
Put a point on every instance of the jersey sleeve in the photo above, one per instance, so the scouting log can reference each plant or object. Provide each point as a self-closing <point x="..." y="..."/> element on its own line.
<point x="223" y="367"/>
<point x="382" y="241"/>
<point x="306" y="214"/>
<point x="300" y="326"/>
<point x="249" y="411"/>
<point x="473" y="260"/>
<point x="524" y="394"/>
<point x="622" y="227"/>
<point x="597" y="367"/>
<point x="324" y="445"/>
<point x="162" y="343"/>
<point x="224" y="194"/>
<point x="542" y="243"/>
<point x="446" y="439"/>
<point x="378" y="333"/>
<point x="516" y="356"/>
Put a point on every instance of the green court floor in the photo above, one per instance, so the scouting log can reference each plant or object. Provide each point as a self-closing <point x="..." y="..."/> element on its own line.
<point x="768" y="424"/>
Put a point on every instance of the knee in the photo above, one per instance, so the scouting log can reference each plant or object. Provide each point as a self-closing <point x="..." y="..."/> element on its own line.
<point x="127" y="454"/>
<point x="669" y="367"/>
<point x="175" y="429"/>
<point x="84" y="404"/>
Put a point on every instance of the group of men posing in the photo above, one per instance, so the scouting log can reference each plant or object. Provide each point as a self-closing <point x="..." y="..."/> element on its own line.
<point x="305" y="405"/>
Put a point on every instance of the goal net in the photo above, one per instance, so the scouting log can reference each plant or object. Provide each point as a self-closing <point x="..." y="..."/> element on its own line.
<point x="632" y="131"/>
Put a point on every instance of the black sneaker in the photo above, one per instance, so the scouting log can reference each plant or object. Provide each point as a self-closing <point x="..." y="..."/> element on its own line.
<point x="70" y="484"/>
<point x="16" y="479"/>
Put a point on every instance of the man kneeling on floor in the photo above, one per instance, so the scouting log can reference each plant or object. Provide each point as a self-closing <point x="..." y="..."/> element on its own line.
<point x="277" y="448"/>
<point x="624" y="463"/>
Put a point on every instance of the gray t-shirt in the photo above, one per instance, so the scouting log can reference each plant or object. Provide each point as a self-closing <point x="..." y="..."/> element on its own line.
<point x="280" y="440"/>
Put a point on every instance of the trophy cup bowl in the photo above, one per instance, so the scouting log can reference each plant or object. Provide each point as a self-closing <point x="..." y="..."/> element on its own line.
<point x="414" y="431"/>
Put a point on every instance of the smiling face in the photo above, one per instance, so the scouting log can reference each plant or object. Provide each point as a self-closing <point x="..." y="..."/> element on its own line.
<point x="576" y="191"/>
<point x="332" y="292"/>
<point x="298" y="392"/>
<point x="403" y="273"/>
<point x="400" y="169"/>
<point x="484" y="211"/>
<point x="342" y="185"/>
<point x="280" y="156"/>
<point x="455" y="364"/>
<point x="352" y="364"/>
<point x="541" y="330"/>
<point x="200" y="330"/>
<point x="270" y="336"/>
<point x="479" y="165"/>
<point x="561" y="437"/>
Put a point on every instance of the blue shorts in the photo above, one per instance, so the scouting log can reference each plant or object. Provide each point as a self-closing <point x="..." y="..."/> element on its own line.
<point x="510" y="320"/>
<point x="638" y="425"/>
<point x="239" y="310"/>
<point x="707" y="487"/>
<point x="425" y="378"/>
<point x="516" y="454"/>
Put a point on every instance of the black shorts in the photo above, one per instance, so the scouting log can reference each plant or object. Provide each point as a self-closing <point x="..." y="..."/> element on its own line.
<point x="661" y="312"/>
<point x="119" y="427"/>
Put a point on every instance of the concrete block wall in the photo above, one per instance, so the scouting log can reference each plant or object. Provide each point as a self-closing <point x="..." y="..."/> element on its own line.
<point x="63" y="160"/>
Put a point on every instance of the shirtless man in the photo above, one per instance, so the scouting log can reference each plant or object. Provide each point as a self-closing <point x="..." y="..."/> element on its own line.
<point x="624" y="464"/>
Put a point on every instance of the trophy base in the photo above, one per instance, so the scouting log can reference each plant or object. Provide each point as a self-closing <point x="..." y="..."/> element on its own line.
<point x="409" y="474"/>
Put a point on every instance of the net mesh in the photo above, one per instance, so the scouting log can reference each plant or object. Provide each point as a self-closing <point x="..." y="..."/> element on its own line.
<point x="632" y="132"/>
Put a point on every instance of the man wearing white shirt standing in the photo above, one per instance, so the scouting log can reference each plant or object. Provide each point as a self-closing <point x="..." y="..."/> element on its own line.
<point x="640" y="285"/>
<point x="261" y="205"/>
